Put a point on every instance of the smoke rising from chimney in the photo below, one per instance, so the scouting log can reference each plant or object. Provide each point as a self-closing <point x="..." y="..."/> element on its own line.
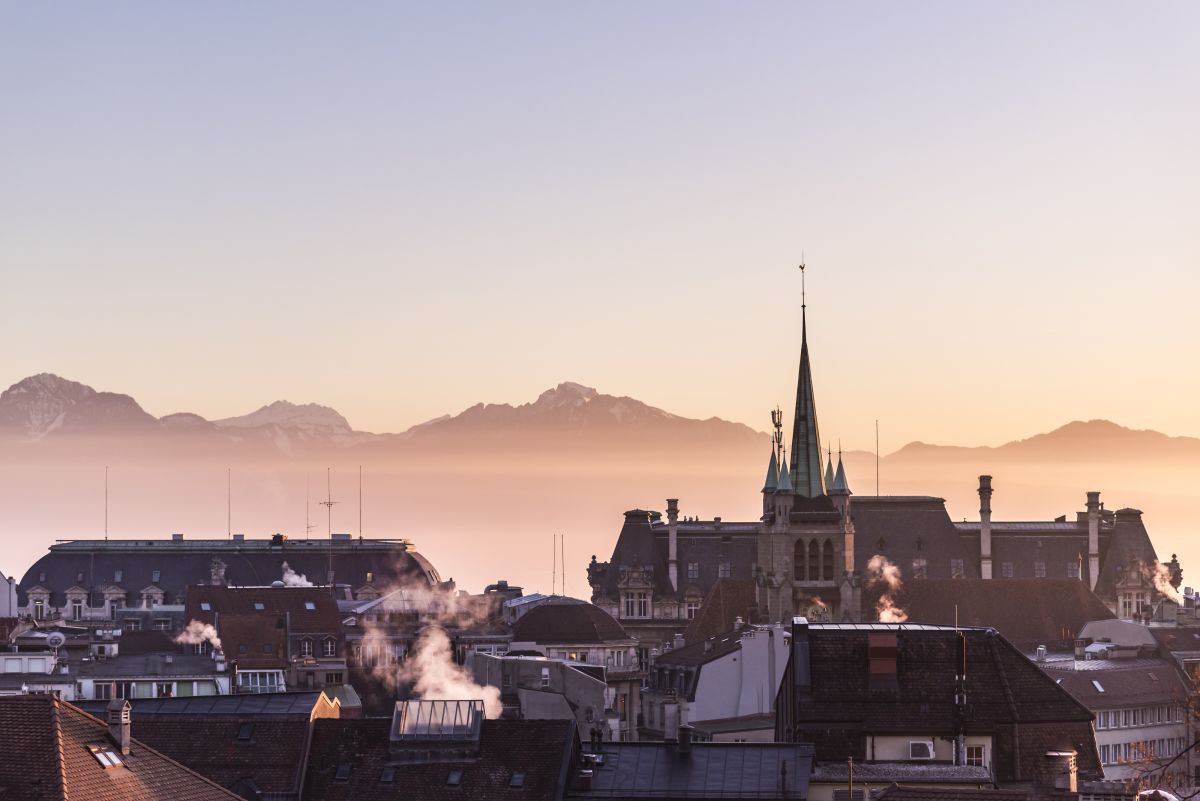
<point x="435" y="676"/>
<point x="880" y="570"/>
<point x="1160" y="574"/>
<point x="293" y="579"/>
<point x="197" y="633"/>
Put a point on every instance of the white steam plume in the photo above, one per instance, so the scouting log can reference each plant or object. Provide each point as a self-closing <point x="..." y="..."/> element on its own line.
<point x="197" y="632"/>
<point x="293" y="579"/>
<point x="435" y="677"/>
<point x="880" y="570"/>
<point x="1160" y="574"/>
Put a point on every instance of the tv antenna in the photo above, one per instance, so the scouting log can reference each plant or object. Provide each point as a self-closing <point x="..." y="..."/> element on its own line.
<point x="360" y="503"/>
<point x="328" y="503"/>
<point x="106" y="503"/>
<point x="229" y="503"/>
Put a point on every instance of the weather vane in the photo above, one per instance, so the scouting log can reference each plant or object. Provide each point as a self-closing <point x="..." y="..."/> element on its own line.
<point x="802" y="293"/>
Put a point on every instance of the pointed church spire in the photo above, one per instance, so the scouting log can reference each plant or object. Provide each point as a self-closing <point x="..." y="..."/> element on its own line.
<point x="829" y="469"/>
<point x="839" y="482"/>
<point x="785" y="481"/>
<point x="772" y="482"/>
<point x="806" y="441"/>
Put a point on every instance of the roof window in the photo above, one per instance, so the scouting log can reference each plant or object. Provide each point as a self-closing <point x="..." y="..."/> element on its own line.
<point x="118" y="575"/>
<point x="310" y="606"/>
<point x="455" y="778"/>
<point x="1099" y="687"/>
<point x="388" y="775"/>
<point x="155" y="576"/>
<point x="343" y="773"/>
<point x="245" y="733"/>
<point x="259" y="606"/>
<point x="205" y="606"/>
<point x="106" y="756"/>
<point x="518" y="779"/>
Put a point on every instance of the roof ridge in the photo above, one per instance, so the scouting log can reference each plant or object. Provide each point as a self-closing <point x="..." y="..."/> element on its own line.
<point x="57" y="734"/>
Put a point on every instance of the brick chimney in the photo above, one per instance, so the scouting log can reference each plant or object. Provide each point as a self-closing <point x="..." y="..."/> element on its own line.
<point x="1093" y="519"/>
<point x="118" y="723"/>
<point x="985" y="526"/>
<point x="1057" y="774"/>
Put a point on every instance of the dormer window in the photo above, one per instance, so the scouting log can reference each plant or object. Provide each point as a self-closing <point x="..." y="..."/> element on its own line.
<point x="329" y="648"/>
<point x="117" y="576"/>
<point x="79" y="577"/>
<point x="306" y="647"/>
<point x="156" y="576"/>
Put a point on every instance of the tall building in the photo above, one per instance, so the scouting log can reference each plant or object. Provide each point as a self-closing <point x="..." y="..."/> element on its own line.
<point x="811" y="551"/>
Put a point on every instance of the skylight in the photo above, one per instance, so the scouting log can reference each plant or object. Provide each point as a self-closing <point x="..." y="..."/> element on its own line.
<point x="518" y="779"/>
<point x="1099" y="687"/>
<point x="106" y="756"/>
<point x="343" y="772"/>
<point x="310" y="606"/>
<point x="245" y="732"/>
<point x="388" y="775"/>
<point x="259" y="606"/>
<point x="205" y="606"/>
<point x="455" y="778"/>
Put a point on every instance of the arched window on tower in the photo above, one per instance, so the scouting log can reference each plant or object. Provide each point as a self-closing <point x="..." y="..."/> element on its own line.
<point x="814" y="561"/>
<point x="799" y="565"/>
<point x="827" y="560"/>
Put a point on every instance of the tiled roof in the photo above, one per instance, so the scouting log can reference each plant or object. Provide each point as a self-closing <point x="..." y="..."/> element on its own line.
<point x="46" y="756"/>
<point x="1037" y="611"/>
<point x="924" y="772"/>
<point x="298" y="705"/>
<point x="1004" y="690"/>
<point x="540" y="749"/>
<point x="568" y="621"/>
<point x="256" y="640"/>
<point x="1142" y="682"/>
<point x="291" y="601"/>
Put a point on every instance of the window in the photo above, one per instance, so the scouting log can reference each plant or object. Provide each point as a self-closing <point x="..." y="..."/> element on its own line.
<point x="306" y="647"/>
<point x="245" y="733"/>
<point x="242" y="649"/>
<point x="1039" y="569"/>
<point x="1073" y="569"/>
<point x="518" y="779"/>
<point x="164" y="689"/>
<point x="506" y="680"/>
<point x="920" y="567"/>
<point x="162" y="624"/>
<point x="329" y="647"/>
<point x="388" y="774"/>
<point x="333" y="678"/>
<point x="723" y="570"/>
<point x="343" y="773"/>
<point x="132" y="624"/>
<point x="637" y="604"/>
<point x="79" y="578"/>
<point x="814" y="561"/>
<point x="693" y="570"/>
<point x="975" y="756"/>
<point x="268" y="648"/>
<point x="370" y="576"/>
<point x="454" y="778"/>
<point x="1006" y="570"/>
<point x="39" y="608"/>
<point x="77" y="610"/>
<point x="956" y="568"/>
<point x="205" y="606"/>
<point x="545" y="677"/>
<point x="117" y="576"/>
<point x="692" y="608"/>
<point x="310" y="606"/>
<point x="106" y="756"/>
<point x="155" y="576"/>
<point x="1099" y="687"/>
<point x="259" y="606"/>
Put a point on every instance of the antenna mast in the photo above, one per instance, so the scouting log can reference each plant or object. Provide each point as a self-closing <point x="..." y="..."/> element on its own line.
<point x="328" y="503"/>
<point x="360" y="503"/>
<point x="229" y="503"/>
<point x="562" y="556"/>
<point x="876" y="457"/>
<point x="106" y="503"/>
<point x="553" y="563"/>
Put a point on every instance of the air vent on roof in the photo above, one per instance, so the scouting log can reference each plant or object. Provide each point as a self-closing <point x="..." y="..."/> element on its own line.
<point x="239" y="537"/>
<point x="177" y="537"/>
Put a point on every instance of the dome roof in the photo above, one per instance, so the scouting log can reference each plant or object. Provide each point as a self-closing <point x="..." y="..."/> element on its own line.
<point x="568" y="620"/>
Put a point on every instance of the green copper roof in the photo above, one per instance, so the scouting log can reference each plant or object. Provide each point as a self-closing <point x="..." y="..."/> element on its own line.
<point x="785" y="481"/>
<point x="772" y="482"/>
<point x="806" y="441"/>
<point x="829" y="470"/>
<point x="839" y="481"/>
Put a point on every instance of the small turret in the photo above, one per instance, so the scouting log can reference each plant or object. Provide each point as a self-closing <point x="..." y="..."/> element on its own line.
<point x="785" y="479"/>
<point x="829" y="469"/>
<point x="839" y="480"/>
<point x="772" y="482"/>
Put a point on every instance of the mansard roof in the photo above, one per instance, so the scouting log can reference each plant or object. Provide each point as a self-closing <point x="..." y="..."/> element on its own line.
<point x="568" y="621"/>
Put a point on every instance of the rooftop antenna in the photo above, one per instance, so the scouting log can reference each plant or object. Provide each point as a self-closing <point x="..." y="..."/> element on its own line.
<point x="562" y="556"/>
<point x="106" y="503"/>
<point x="877" y="457"/>
<point x="360" y="503"/>
<point x="328" y="503"/>
<point x="229" y="503"/>
<point x="777" y="423"/>
<point x="553" y="563"/>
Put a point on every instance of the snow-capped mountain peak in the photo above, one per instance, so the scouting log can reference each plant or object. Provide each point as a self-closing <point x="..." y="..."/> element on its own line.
<point x="290" y="415"/>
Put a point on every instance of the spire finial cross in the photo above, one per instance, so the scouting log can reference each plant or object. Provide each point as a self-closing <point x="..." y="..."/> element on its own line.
<point x="802" y="289"/>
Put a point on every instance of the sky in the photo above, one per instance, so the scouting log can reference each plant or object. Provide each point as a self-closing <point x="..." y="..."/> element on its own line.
<point x="400" y="210"/>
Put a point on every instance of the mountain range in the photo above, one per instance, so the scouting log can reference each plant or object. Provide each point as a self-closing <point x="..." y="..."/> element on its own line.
<point x="496" y="481"/>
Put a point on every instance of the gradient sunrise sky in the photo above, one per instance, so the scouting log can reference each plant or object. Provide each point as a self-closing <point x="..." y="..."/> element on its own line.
<point x="401" y="210"/>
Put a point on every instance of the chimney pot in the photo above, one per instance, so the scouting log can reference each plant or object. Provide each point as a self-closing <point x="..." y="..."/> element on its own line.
<point x="118" y="723"/>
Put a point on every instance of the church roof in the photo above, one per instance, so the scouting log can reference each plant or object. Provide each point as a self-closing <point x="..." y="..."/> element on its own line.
<point x="806" y="440"/>
<point x="772" y="481"/>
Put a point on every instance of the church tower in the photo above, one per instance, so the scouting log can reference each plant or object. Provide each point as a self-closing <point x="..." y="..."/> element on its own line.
<point x="806" y="439"/>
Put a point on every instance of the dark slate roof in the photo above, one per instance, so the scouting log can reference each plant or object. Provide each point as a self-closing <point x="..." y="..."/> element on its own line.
<point x="541" y="749"/>
<point x="909" y="526"/>
<point x="1141" y="682"/>
<point x="297" y="705"/>
<point x="1003" y="688"/>
<point x="248" y="562"/>
<point x="728" y="600"/>
<point x="1178" y="640"/>
<point x="702" y="652"/>
<point x="568" y="620"/>
<point x="131" y="665"/>
<point x="636" y="547"/>
<point x="1128" y="543"/>
<point x="1025" y="611"/>
<point x="288" y="601"/>
<point x="710" y="770"/>
<point x="257" y="640"/>
<point x="46" y="756"/>
<point x="899" y="792"/>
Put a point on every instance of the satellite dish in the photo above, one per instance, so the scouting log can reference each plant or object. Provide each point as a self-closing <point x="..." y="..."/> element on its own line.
<point x="56" y="639"/>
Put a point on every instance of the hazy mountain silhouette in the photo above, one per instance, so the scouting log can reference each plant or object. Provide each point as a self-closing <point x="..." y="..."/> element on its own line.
<point x="482" y="491"/>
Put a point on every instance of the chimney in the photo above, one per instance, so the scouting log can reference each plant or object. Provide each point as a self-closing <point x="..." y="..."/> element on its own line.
<point x="673" y="542"/>
<point x="670" y="718"/>
<point x="118" y="723"/>
<point x="1059" y="770"/>
<point x="1093" y="518"/>
<point x="985" y="526"/>
<point x="685" y="740"/>
<point x="738" y="623"/>
<point x="679" y="641"/>
<point x="801" y="667"/>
